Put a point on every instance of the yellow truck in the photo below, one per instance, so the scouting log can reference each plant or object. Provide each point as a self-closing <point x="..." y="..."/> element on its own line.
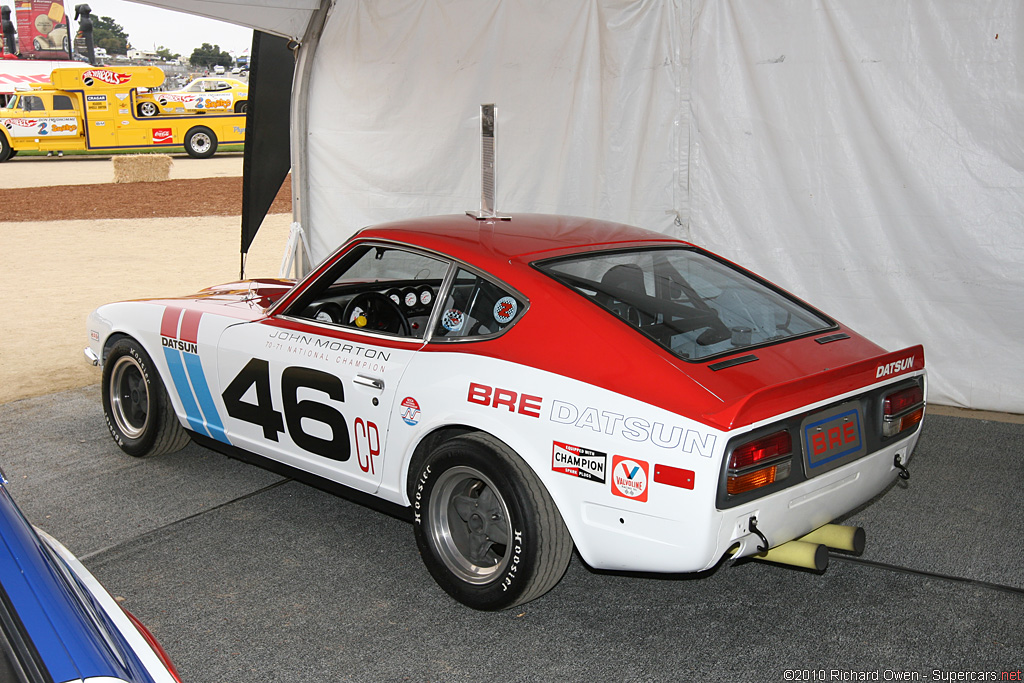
<point x="96" y="108"/>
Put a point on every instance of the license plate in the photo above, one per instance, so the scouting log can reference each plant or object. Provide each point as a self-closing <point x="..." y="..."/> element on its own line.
<point x="832" y="438"/>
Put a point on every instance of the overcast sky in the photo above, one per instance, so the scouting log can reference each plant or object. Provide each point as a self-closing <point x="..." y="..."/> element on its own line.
<point x="150" y="27"/>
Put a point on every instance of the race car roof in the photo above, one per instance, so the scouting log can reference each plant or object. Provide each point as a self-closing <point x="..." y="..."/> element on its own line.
<point x="522" y="238"/>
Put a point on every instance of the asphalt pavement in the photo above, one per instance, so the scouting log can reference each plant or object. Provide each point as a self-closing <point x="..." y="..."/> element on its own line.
<point x="243" y="575"/>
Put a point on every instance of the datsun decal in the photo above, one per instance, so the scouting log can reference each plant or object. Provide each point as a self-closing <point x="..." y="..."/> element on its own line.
<point x="895" y="367"/>
<point x="181" y="351"/>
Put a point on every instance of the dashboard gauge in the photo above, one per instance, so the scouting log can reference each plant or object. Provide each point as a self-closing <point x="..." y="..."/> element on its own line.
<point x="395" y="296"/>
<point x="410" y="298"/>
<point x="426" y="296"/>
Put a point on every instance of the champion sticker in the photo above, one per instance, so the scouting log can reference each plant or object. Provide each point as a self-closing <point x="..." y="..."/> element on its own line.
<point x="410" y="411"/>
<point x="577" y="461"/>
<point x="629" y="478"/>
<point x="505" y="309"/>
<point x="453" y="320"/>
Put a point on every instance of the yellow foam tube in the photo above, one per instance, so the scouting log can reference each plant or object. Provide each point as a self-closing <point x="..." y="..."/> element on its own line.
<point x="839" y="537"/>
<point x="797" y="554"/>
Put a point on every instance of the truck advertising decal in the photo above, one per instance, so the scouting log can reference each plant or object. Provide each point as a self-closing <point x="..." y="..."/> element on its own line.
<point x="96" y="102"/>
<point x="163" y="136"/>
<point x="41" y="127"/>
<point x="107" y="76"/>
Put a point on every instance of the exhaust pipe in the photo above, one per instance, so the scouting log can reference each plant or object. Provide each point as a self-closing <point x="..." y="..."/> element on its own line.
<point x="811" y="551"/>
<point x="838" y="537"/>
<point x="798" y="553"/>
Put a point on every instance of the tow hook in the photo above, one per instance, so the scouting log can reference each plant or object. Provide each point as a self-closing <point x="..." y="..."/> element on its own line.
<point x="898" y="464"/>
<point x="752" y="525"/>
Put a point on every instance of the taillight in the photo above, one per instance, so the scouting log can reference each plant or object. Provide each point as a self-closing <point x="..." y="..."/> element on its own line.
<point x="760" y="462"/>
<point x="902" y="410"/>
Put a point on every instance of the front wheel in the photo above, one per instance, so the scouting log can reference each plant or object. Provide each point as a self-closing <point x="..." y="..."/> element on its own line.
<point x="487" y="529"/>
<point x="6" y="152"/>
<point x="241" y="106"/>
<point x="147" y="109"/>
<point x="200" y="143"/>
<point x="137" y="409"/>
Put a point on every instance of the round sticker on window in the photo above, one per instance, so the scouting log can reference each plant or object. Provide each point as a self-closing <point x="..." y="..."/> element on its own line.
<point x="505" y="309"/>
<point x="453" y="320"/>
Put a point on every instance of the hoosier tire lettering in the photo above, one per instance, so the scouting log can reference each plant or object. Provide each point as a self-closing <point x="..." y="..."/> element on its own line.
<point x="136" y="407"/>
<point x="486" y="528"/>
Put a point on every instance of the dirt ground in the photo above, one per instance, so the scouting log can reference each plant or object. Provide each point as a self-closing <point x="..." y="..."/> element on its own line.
<point x="78" y="242"/>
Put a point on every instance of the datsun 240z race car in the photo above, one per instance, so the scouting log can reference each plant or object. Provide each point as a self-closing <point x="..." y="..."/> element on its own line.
<point x="522" y="387"/>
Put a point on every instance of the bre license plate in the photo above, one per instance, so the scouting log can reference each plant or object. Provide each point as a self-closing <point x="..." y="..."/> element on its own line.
<point x="832" y="438"/>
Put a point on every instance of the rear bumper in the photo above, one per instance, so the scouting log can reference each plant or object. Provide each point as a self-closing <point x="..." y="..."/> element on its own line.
<point x="796" y="511"/>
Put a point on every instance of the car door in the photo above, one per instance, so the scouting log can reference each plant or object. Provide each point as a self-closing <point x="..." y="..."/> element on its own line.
<point x="314" y="385"/>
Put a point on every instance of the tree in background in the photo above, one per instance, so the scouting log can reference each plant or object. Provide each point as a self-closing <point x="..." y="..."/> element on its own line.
<point x="209" y="55"/>
<point x="165" y="54"/>
<point x="109" y="35"/>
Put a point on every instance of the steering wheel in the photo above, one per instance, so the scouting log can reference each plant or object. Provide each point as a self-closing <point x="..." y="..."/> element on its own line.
<point x="375" y="312"/>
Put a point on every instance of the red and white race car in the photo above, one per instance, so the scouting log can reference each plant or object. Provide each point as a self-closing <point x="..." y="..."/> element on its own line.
<point x="525" y="386"/>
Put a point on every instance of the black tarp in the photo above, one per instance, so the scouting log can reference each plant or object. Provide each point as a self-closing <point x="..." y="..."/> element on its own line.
<point x="267" y="156"/>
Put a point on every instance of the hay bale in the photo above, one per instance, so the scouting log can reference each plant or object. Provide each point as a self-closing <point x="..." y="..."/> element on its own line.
<point x="142" y="168"/>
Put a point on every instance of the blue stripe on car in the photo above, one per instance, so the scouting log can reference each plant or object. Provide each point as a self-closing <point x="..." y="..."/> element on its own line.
<point x="202" y="390"/>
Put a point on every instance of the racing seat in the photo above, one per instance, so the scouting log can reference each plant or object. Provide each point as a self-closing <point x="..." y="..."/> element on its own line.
<point x="627" y="277"/>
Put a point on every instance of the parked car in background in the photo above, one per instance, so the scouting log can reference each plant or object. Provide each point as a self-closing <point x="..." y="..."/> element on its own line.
<point x="220" y="95"/>
<point x="57" y="623"/>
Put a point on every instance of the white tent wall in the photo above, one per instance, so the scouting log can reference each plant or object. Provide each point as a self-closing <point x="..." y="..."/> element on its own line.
<point x="867" y="155"/>
<point x="592" y="117"/>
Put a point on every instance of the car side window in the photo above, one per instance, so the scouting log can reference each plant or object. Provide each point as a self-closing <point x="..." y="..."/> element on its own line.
<point x="476" y="307"/>
<point x="376" y="288"/>
<point x="62" y="103"/>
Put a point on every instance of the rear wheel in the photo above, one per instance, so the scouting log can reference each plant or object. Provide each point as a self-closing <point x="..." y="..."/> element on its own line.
<point x="487" y="529"/>
<point x="200" y="143"/>
<point x="147" y="109"/>
<point x="137" y="409"/>
<point x="241" y="106"/>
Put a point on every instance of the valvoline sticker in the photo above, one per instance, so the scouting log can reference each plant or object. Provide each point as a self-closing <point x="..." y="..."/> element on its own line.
<point x="629" y="478"/>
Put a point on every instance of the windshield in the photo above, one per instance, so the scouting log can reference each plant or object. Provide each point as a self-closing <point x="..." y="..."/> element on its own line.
<point x="689" y="302"/>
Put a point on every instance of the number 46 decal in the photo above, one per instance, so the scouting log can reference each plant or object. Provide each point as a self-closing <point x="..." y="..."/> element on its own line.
<point x="257" y="373"/>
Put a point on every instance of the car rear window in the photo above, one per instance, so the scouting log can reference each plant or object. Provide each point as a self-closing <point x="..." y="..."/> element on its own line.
<point x="691" y="303"/>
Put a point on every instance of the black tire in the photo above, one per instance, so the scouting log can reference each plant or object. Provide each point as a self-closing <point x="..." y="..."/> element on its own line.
<point x="148" y="109"/>
<point x="200" y="143"/>
<point x="241" y="106"/>
<point x="487" y="529"/>
<point x="6" y="152"/>
<point x="137" y="409"/>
